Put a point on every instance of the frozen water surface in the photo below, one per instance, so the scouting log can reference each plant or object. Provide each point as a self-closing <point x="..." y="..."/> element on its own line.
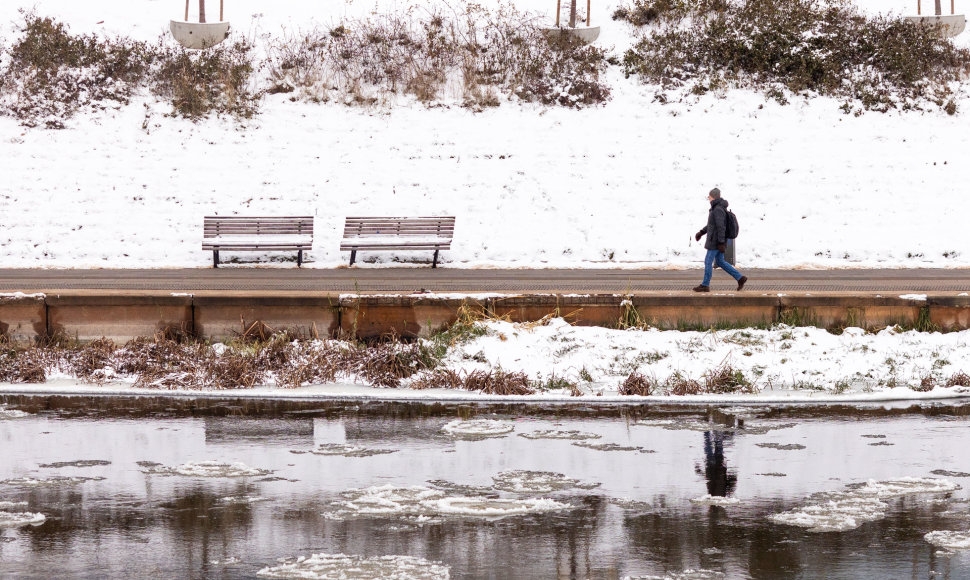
<point x="158" y="487"/>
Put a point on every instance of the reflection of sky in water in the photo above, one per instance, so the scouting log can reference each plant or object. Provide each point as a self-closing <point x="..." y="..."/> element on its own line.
<point x="643" y="518"/>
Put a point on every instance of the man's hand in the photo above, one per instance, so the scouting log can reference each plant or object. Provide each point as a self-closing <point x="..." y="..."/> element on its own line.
<point x="697" y="236"/>
<point x="721" y="248"/>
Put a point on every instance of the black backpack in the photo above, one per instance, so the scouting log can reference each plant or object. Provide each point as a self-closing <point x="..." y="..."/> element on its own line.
<point x="731" y="227"/>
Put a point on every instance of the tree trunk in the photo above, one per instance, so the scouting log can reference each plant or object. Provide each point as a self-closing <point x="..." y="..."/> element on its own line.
<point x="202" y="10"/>
<point x="572" y="13"/>
<point x="939" y="7"/>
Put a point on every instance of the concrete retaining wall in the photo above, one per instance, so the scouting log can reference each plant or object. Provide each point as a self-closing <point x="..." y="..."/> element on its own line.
<point x="90" y="315"/>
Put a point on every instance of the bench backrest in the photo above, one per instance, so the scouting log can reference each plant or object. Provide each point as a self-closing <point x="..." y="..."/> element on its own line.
<point x="436" y="226"/>
<point x="214" y="226"/>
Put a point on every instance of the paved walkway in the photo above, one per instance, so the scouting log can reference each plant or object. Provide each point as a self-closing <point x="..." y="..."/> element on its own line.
<point x="409" y="280"/>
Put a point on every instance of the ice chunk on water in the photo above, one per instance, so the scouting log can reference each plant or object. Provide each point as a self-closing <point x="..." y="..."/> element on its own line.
<point x="716" y="500"/>
<point x="15" y="519"/>
<point x="521" y="481"/>
<point x="333" y="566"/>
<point x="949" y="540"/>
<point x="241" y="499"/>
<point x="346" y="450"/>
<point x="611" y="447"/>
<point x="6" y="413"/>
<point x="490" y="508"/>
<point x="47" y="481"/>
<point x="478" y="428"/>
<point x="422" y="503"/>
<point x="559" y="434"/>
<point x="689" y="574"/>
<point x="77" y="463"/>
<point x="12" y="505"/>
<point x="208" y="469"/>
<point x="846" y="510"/>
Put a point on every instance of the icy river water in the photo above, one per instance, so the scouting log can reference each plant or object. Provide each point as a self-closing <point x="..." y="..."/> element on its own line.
<point x="225" y="488"/>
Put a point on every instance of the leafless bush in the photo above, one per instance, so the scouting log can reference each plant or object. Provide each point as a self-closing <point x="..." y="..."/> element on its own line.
<point x="439" y="379"/>
<point x="787" y="47"/>
<point x="726" y="379"/>
<point x="498" y="383"/>
<point x="51" y="74"/>
<point x="637" y="384"/>
<point x="88" y="362"/>
<point x="960" y="379"/>
<point x="23" y="365"/>
<point x="480" y="53"/>
<point x="216" y="80"/>
<point x="680" y="384"/>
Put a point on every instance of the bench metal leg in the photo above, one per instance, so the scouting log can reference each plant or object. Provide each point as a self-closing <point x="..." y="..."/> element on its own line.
<point x="299" y="258"/>
<point x="353" y="256"/>
<point x="434" y="263"/>
<point x="215" y="258"/>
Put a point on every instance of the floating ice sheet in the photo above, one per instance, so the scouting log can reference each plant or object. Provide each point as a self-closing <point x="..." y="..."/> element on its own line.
<point x="715" y="500"/>
<point x="611" y="447"/>
<point x="522" y="481"/>
<point x="341" y="566"/>
<point x="345" y="450"/>
<point x="6" y="413"/>
<point x="422" y="503"/>
<point x="47" y="481"/>
<point x="241" y="499"/>
<point x="846" y="510"/>
<point x="949" y="540"/>
<point x="77" y="463"/>
<point x="208" y="469"/>
<point x="16" y="519"/>
<point x="559" y="434"/>
<point x="478" y="428"/>
<point x="685" y="575"/>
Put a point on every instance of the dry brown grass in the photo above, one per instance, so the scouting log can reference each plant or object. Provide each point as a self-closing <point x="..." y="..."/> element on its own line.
<point x="637" y="384"/>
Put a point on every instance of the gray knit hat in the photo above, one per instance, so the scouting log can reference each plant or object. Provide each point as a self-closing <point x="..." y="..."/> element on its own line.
<point x="715" y="193"/>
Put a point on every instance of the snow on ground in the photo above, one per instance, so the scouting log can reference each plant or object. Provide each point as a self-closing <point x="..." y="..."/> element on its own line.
<point x="621" y="185"/>
<point x="782" y="358"/>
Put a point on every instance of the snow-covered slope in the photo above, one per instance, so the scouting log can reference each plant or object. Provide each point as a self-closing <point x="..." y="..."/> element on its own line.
<point x="623" y="184"/>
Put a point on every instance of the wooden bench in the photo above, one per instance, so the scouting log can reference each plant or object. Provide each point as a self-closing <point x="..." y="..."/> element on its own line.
<point x="252" y="234"/>
<point x="398" y="233"/>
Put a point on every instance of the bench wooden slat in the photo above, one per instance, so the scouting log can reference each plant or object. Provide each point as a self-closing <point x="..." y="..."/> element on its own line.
<point x="398" y="233"/>
<point x="257" y="233"/>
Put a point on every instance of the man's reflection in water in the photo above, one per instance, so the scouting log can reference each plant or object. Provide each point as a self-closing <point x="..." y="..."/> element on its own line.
<point x="720" y="481"/>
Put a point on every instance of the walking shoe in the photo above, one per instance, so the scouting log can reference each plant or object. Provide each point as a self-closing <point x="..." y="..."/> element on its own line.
<point x="702" y="288"/>
<point x="741" y="281"/>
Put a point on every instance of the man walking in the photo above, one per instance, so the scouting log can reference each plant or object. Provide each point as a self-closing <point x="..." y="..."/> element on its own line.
<point x="716" y="243"/>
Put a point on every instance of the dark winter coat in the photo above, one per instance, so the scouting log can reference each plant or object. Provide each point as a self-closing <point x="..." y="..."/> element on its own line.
<point x="716" y="229"/>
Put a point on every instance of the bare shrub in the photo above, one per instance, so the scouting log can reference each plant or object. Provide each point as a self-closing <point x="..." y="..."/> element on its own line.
<point x="480" y="53"/>
<point x="498" y="382"/>
<point x="826" y="47"/>
<point x="926" y="383"/>
<point x="726" y="379"/>
<point x="51" y="74"/>
<point x="960" y="379"/>
<point x="23" y="365"/>
<point x="439" y="379"/>
<point x="199" y="83"/>
<point x="385" y="364"/>
<point x="637" y="384"/>
<point x="89" y="362"/>
<point x="680" y="384"/>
